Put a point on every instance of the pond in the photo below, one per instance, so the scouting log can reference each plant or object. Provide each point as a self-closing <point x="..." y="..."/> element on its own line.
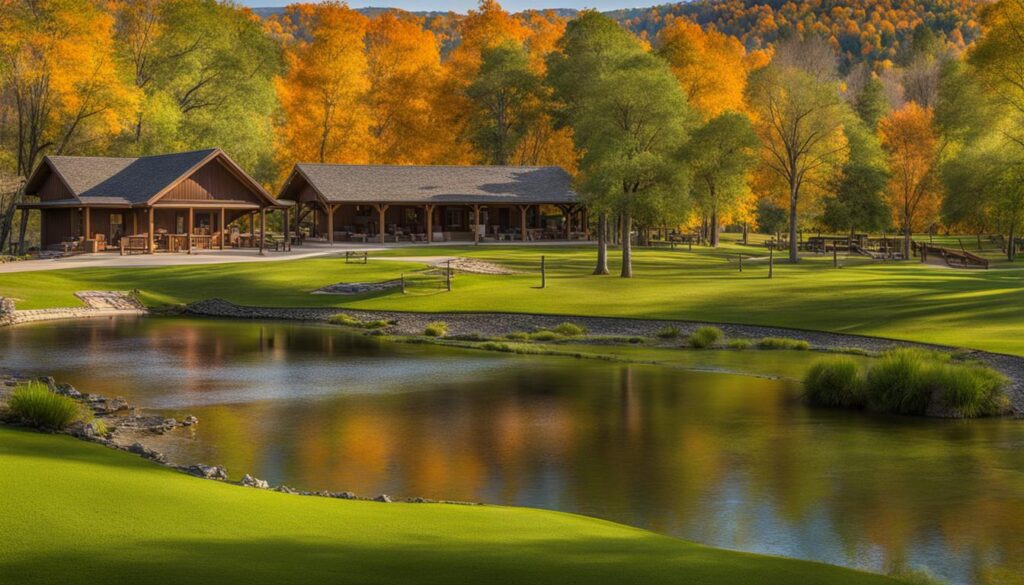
<point x="729" y="460"/>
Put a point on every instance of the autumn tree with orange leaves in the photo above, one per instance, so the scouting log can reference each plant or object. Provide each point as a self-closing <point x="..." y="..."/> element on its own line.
<point x="915" y="190"/>
<point x="323" y="94"/>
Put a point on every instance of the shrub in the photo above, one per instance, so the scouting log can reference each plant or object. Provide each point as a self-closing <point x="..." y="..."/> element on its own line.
<point x="343" y="319"/>
<point x="670" y="332"/>
<point x="705" y="337"/>
<point x="898" y="383"/>
<point x="544" y="335"/>
<point x="518" y="336"/>
<point x="569" y="329"/>
<point x="35" y="404"/>
<point x="436" y="329"/>
<point x="968" y="390"/>
<point x="739" y="344"/>
<point x="834" y="382"/>
<point x="376" y="324"/>
<point x="783" y="343"/>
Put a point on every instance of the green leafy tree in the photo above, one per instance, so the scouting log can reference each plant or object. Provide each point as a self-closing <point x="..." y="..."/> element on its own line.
<point x="859" y="199"/>
<point x="630" y="120"/>
<point x="721" y="154"/>
<point x="871" y="104"/>
<point x="506" y="96"/>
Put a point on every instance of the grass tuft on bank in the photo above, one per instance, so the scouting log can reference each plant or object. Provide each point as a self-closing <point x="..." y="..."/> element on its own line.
<point x="75" y="512"/>
<point x="908" y="381"/>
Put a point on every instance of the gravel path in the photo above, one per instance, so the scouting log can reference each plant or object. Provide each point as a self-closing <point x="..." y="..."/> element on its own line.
<point x="499" y="324"/>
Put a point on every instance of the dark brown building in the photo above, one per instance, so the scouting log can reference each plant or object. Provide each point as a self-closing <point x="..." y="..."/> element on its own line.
<point x="428" y="203"/>
<point x="173" y="202"/>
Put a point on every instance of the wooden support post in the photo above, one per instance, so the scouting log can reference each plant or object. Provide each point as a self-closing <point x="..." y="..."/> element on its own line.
<point x="287" y="232"/>
<point x="741" y="262"/>
<point x="263" y="229"/>
<point x="188" y="235"/>
<point x="330" y="224"/>
<point x="543" y="273"/>
<point x="448" y="276"/>
<point x="381" y="210"/>
<point x="88" y="224"/>
<point x="522" y="221"/>
<point x="152" y="228"/>
<point x="430" y="223"/>
<point x="476" y="224"/>
<point x="223" y="228"/>
<point x="135" y="223"/>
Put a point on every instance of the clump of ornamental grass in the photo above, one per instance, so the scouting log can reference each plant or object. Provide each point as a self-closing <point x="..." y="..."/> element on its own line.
<point x="544" y="335"/>
<point x="518" y="336"/>
<point x="783" y="343"/>
<point x="739" y="344"/>
<point x="568" y="329"/>
<point x="705" y="337"/>
<point x="35" y="404"/>
<point x="834" y="382"/>
<point x="436" y="329"/>
<point x="911" y="382"/>
<point x="347" y="320"/>
<point x="669" y="332"/>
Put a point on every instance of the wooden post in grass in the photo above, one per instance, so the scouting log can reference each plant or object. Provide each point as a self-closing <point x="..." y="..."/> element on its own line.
<point x="771" y="260"/>
<point x="741" y="262"/>
<point x="448" y="276"/>
<point x="366" y="255"/>
<point x="543" y="273"/>
<point x="403" y="283"/>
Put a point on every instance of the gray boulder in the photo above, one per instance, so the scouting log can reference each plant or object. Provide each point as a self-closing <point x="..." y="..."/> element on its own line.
<point x="250" y="481"/>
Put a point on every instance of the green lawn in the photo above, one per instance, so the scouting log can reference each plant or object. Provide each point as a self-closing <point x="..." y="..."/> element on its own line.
<point x="971" y="308"/>
<point x="73" y="512"/>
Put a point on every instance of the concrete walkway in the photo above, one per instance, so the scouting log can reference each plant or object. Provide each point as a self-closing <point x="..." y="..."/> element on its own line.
<point x="308" y="250"/>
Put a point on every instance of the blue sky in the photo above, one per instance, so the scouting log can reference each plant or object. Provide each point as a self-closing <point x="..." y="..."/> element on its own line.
<point x="463" y="5"/>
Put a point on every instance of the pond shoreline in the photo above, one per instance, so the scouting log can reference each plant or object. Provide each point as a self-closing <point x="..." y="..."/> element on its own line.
<point x="497" y="324"/>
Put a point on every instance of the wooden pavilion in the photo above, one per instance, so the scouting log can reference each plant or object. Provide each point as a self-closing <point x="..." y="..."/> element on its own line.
<point x="434" y="203"/>
<point x="173" y="203"/>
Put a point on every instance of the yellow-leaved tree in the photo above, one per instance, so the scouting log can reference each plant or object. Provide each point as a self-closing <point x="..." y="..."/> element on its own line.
<point x="711" y="66"/>
<point x="915" y="189"/>
<point x="404" y="62"/>
<point x="324" y="92"/>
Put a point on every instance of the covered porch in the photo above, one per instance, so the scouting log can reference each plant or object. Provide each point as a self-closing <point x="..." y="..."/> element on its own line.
<point x="404" y="222"/>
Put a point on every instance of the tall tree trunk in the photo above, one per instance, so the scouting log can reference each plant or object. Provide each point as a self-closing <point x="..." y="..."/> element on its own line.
<point x="713" y="227"/>
<point x="627" y="245"/>
<point x="794" y="252"/>
<point x="602" y="244"/>
<point x="746" y="234"/>
<point x="906" y="241"/>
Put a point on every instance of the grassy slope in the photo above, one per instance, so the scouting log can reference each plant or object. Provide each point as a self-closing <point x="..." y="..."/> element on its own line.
<point x="101" y="516"/>
<point x="973" y="308"/>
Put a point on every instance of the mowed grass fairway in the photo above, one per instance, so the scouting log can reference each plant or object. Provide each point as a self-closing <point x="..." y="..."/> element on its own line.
<point x="904" y="300"/>
<point x="74" y="512"/>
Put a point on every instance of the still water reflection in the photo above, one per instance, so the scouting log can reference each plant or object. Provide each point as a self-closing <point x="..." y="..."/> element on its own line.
<point x="728" y="460"/>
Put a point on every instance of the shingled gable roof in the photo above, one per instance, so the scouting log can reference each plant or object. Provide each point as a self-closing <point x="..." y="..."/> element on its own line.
<point x="131" y="181"/>
<point x="432" y="184"/>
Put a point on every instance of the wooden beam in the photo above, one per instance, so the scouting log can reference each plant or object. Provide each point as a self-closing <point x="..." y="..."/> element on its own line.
<point x="476" y="223"/>
<point x="191" y="224"/>
<point x="381" y="210"/>
<point x="223" y="228"/>
<point x="330" y="224"/>
<point x="135" y="223"/>
<point x="88" y="224"/>
<point x="152" y="227"/>
<point x="287" y="231"/>
<point x="522" y="221"/>
<point x="263" y="228"/>
<point x="430" y="223"/>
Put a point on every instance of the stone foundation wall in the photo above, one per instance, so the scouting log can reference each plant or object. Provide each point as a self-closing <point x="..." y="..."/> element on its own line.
<point x="6" y="311"/>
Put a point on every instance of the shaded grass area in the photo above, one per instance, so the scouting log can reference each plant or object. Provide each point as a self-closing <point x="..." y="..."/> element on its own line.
<point x="101" y="516"/>
<point x="969" y="308"/>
